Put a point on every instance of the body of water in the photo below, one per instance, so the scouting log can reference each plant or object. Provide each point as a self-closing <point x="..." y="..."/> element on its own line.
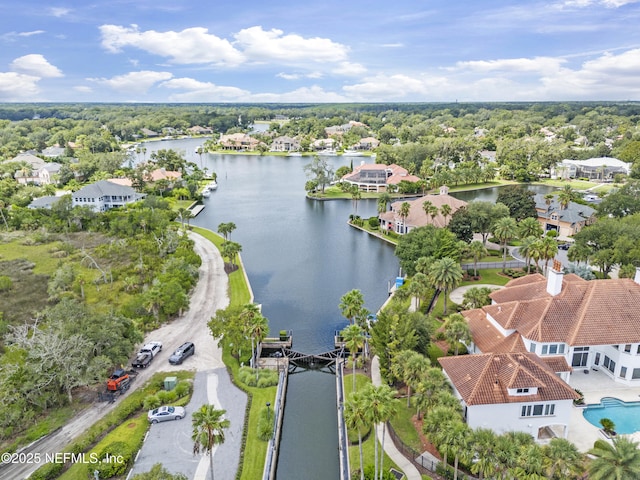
<point x="301" y="256"/>
<point x="625" y="415"/>
<point x="491" y="194"/>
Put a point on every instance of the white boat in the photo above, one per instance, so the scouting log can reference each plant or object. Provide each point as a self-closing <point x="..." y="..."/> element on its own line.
<point x="351" y="153"/>
<point x="213" y="185"/>
<point x="294" y="154"/>
<point x="328" y="152"/>
<point x="206" y="193"/>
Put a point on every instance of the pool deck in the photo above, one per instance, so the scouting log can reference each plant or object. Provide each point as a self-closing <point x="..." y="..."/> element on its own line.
<point x="595" y="385"/>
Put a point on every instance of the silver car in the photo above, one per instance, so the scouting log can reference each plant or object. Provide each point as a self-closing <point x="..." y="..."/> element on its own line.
<point x="164" y="413"/>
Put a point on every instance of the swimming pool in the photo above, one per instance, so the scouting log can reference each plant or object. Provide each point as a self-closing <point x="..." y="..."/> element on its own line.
<point x="625" y="415"/>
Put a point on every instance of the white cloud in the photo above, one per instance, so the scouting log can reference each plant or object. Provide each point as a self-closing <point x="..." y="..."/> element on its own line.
<point x="349" y="69"/>
<point x="29" y="34"/>
<point x="299" y="76"/>
<point x="606" y="3"/>
<point x="15" y="86"/>
<point x="264" y="46"/>
<point x="35" y="65"/>
<point x="133" y="82"/>
<point x="189" y="46"/>
<point x="197" y="91"/>
<point x="59" y="11"/>
<point x="83" y="89"/>
<point x="514" y="65"/>
<point x="387" y="87"/>
<point x="313" y="94"/>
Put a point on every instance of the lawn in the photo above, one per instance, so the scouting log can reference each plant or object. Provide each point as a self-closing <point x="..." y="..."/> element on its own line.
<point x="575" y="184"/>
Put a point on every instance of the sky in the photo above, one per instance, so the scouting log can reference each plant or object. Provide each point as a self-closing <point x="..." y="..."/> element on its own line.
<point x="277" y="51"/>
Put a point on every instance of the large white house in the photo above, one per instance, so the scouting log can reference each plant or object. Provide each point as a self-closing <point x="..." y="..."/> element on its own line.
<point x="104" y="195"/>
<point x="548" y="329"/>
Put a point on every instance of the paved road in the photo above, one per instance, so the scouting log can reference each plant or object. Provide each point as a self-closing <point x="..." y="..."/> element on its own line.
<point x="209" y="295"/>
<point x="170" y="443"/>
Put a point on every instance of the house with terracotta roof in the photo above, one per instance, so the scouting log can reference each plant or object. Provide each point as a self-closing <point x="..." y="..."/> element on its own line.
<point x="285" y="144"/>
<point x="378" y="177"/>
<point x="238" y="141"/>
<point x="508" y="392"/>
<point x="566" y="220"/>
<point x="570" y="324"/>
<point x="392" y="220"/>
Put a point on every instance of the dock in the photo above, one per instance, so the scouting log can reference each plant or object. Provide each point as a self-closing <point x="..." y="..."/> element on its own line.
<point x="196" y="209"/>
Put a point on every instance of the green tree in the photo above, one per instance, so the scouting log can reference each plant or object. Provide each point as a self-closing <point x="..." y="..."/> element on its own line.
<point x="483" y="446"/>
<point x="614" y="461"/>
<point x="519" y="200"/>
<point x="383" y="202"/>
<point x="319" y="171"/>
<point x="563" y="460"/>
<point x="209" y="427"/>
<point x="529" y="227"/>
<point x="357" y="418"/>
<point x="158" y="472"/>
<point x="427" y="241"/>
<point x="409" y="367"/>
<point x="445" y="210"/>
<point x="476" y="250"/>
<point x="256" y="326"/>
<point x="505" y="229"/>
<point x="483" y="215"/>
<point x="456" y="330"/>
<point x="446" y="275"/>
<point x="352" y="306"/>
<point x="354" y="339"/>
<point x="381" y="407"/>
<point x="548" y="250"/>
<point x="225" y="229"/>
<point x="476" y="297"/>
<point x="405" y="208"/>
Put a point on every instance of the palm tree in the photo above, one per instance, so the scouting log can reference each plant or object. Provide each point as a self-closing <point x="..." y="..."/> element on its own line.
<point x="209" y="426"/>
<point x="461" y="437"/>
<point x="356" y="417"/>
<point x="381" y="407"/>
<point x="477" y="250"/>
<point x="225" y="229"/>
<point x="356" y="195"/>
<point x="352" y="305"/>
<point x="562" y="459"/>
<point x="456" y="330"/>
<point x="256" y="326"/>
<point x="566" y="196"/>
<point x="231" y="250"/>
<point x="418" y="287"/>
<point x="383" y="201"/>
<point x="483" y="446"/>
<point x="353" y="338"/>
<point x="615" y="461"/>
<point x="529" y="227"/>
<point x="526" y="248"/>
<point x="409" y="366"/>
<point x="405" y="208"/>
<point x="505" y="229"/>
<point x="181" y="211"/>
<point x="423" y="264"/>
<point x="431" y="382"/>
<point x="445" y="210"/>
<point x="548" y="250"/>
<point x="446" y="275"/>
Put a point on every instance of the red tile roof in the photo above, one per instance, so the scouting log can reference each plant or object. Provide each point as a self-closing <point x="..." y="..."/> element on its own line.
<point x="484" y="379"/>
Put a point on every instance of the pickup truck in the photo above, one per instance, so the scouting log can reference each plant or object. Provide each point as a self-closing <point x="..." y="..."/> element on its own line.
<point x="146" y="354"/>
<point x="142" y="360"/>
<point x="152" y="347"/>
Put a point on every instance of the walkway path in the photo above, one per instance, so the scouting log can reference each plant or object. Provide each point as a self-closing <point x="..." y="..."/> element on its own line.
<point x="457" y="295"/>
<point x="410" y="471"/>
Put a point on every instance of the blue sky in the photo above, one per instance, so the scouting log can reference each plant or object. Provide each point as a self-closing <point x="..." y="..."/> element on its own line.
<point x="327" y="51"/>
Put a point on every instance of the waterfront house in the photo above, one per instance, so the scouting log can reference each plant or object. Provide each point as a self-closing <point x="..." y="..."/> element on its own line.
<point x="377" y="177"/>
<point x="567" y="221"/>
<point x="508" y="392"/>
<point x="104" y="195"/>
<point x="285" y="144"/>
<point x="601" y="168"/>
<point x="238" y="141"/>
<point x="392" y="220"/>
<point x="572" y="325"/>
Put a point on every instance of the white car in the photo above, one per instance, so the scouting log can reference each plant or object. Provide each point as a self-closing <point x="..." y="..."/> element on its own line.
<point x="164" y="413"/>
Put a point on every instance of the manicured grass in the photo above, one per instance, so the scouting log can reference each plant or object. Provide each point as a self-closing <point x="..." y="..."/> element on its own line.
<point x="403" y="425"/>
<point x="575" y="184"/>
<point x="239" y="292"/>
<point x="130" y="432"/>
<point x="490" y="276"/>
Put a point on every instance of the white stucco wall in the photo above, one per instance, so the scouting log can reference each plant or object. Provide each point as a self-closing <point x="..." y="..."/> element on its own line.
<point x="505" y="417"/>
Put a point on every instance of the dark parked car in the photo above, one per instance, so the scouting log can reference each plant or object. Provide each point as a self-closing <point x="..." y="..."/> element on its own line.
<point x="185" y="350"/>
<point x="142" y="360"/>
<point x="564" y="246"/>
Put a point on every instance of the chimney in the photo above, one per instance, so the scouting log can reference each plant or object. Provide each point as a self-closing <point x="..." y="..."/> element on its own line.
<point x="637" y="277"/>
<point x="444" y="190"/>
<point x="554" y="280"/>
